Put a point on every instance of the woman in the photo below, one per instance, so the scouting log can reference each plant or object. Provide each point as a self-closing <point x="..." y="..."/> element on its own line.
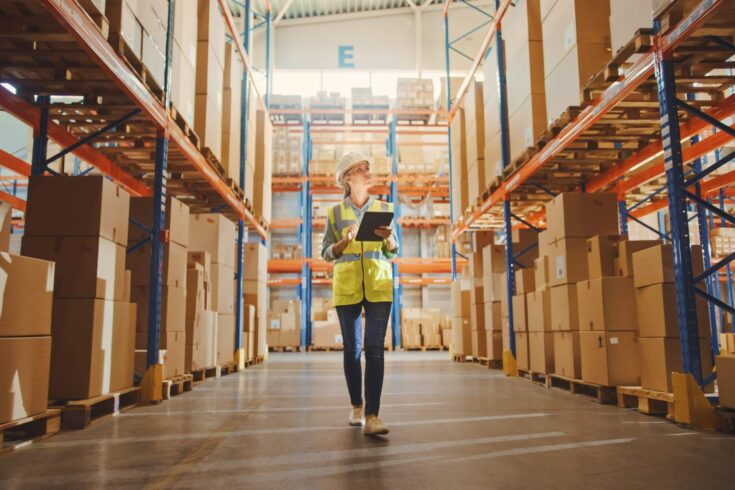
<point x="362" y="279"/>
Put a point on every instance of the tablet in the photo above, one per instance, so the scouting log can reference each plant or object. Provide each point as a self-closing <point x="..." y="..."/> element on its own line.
<point x="370" y="221"/>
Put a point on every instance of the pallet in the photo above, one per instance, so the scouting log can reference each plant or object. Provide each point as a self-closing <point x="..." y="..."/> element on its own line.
<point x="285" y="348"/>
<point x="533" y="376"/>
<point x="646" y="401"/>
<point x="490" y="363"/>
<point x="200" y="375"/>
<point x="22" y="432"/>
<point x="184" y="126"/>
<point x="458" y="358"/>
<point x="318" y="348"/>
<point x="213" y="161"/>
<point x="605" y="395"/>
<point x="177" y="385"/>
<point x="229" y="368"/>
<point x="79" y="414"/>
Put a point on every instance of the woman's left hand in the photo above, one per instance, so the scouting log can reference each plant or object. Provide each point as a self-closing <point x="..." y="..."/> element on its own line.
<point x="384" y="232"/>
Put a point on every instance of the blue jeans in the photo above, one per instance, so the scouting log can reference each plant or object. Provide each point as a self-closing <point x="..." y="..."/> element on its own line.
<point x="376" y="322"/>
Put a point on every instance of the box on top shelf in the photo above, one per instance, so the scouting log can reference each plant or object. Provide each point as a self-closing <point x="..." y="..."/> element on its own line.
<point x="77" y="206"/>
<point x="576" y="40"/>
<point x="214" y="233"/>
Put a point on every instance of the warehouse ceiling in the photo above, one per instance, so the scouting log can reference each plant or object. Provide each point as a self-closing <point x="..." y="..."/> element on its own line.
<point x="296" y="9"/>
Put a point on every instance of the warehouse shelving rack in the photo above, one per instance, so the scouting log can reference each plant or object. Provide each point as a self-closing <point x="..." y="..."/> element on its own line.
<point x="697" y="33"/>
<point x="62" y="31"/>
<point x="389" y="185"/>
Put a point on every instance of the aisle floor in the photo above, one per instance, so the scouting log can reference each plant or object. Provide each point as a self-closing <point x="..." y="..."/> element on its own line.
<point x="283" y="424"/>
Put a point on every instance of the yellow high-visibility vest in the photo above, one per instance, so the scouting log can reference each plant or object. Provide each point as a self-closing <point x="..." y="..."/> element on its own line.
<point x="363" y="270"/>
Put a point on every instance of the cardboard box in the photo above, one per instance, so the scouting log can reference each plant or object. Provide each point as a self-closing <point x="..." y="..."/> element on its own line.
<point x="657" y="312"/>
<point x="225" y="338"/>
<point x="568" y="261"/>
<point x="173" y="312"/>
<point x="655" y="265"/>
<point x="202" y="259"/>
<point x="477" y="316"/>
<point x="326" y="334"/>
<point x="525" y="280"/>
<point x="610" y="358"/>
<point x="26" y="290"/>
<point x="122" y="364"/>
<point x="177" y="219"/>
<point x="248" y="324"/>
<point x="24" y="375"/>
<point x="223" y="289"/>
<point x="564" y="308"/>
<point x="479" y="346"/>
<point x="567" y="357"/>
<point x="541" y="352"/>
<point x="538" y="304"/>
<point x="522" y="355"/>
<point x="493" y="259"/>
<point x="99" y="208"/>
<point x="494" y="345"/>
<point x="601" y="251"/>
<point x="660" y="356"/>
<point x="216" y="234"/>
<point x="725" y="380"/>
<point x="83" y="348"/>
<point x="581" y="215"/>
<point x="520" y="313"/>
<point x="541" y="269"/>
<point x="86" y="267"/>
<point x="174" y="356"/>
<point x="623" y="260"/>
<point x="461" y="336"/>
<point x="256" y="262"/>
<point x="607" y="304"/>
<point x="727" y="343"/>
<point x="461" y="299"/>
<point x="174" y="265"/>
<point x="492" y="286"/>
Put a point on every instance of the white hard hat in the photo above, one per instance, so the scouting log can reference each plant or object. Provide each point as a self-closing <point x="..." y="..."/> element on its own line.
<point x="348" y="161"/>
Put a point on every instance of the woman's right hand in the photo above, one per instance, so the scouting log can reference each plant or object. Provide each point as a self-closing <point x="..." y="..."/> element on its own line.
<point x="349" y="235"/>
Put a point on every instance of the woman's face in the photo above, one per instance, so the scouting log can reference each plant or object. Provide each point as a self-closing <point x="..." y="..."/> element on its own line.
<point x="359" y="176"/>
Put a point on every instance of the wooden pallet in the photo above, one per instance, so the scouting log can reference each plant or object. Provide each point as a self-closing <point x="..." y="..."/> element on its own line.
<point x="727" y="419"/>
<point x="458" y="358"/>
<point x="184" y="126"/>
<point x="318" y="348"/>
<point x="646" y="401"/>
<point x="200" y="375"/>
<point x="272" y="348"/>
<point x="601" y="394"/>
<point x="229" y="368"/>
<point x="533" y="376"/>
<point x="177" y="385"/>
<point x="490" y="363"/>
<point x="78" y="414"/>
<point x="21" y="432"/>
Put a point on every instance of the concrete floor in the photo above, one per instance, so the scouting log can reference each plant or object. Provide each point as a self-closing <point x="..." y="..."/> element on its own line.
<point x="283" y="424"/>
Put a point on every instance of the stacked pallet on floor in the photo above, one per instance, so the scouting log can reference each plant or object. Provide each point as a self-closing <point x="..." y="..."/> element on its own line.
<point x="201" y="319"/>
<point x="93" y="319"/>
<point x="172" y="339"/>
<point x="25" y="342"/>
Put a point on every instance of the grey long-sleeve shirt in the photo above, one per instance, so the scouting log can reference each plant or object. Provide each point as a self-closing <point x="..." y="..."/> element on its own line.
<point x="330" y="238"/>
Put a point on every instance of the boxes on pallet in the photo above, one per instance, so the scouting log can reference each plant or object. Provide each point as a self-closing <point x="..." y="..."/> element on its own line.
<point x="475" y="141"/>
<point x="460" y="190"/>
<point x="494" y="345"/>
<point x="607" y="304"/>
<point x="610" y="358"/>
<point x="725" y="380"/>
<point x="124" y="25"/>
<point x="660" y="356"/>
<point x="24" y="375"/>
<point x="655" y="265"/>
<point x="446" y="336"/>
<point x="201" y="345"/>
<point x="576" y="41"/>
<point x="174" y="265"/>
<point x="520" y="313"/>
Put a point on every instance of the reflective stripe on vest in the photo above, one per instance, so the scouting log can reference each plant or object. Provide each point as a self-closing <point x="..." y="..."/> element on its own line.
<point x="348" y="258"/>
<point x="374" y="254"/>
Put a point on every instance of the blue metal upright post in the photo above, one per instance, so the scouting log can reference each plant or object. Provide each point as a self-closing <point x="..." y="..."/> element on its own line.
<point x="40" y="138"/>
<point x="305" y="238"/>
<point x="397" y="288"/>
<point x="682" y="255"/>
<point x="241" y="228"/>
<point x="453" y="250"/>
<point x="159" y="218"/>
<point x="268" y="59"/>
<point x="505" y="153"/>
<point x="623" y="216"/>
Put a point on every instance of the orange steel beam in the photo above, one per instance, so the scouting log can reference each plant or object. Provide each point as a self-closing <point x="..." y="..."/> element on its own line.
<point x="423" y="222"/>
<point x="400" y="112"/>
<point x="286" y="281"/>
<point x="639" y="72"/>
<point x="11" y="162"/>
<point x="16" y="203"/>
<point x="469" y="78"/>
<point x="75" y="20"/>
<point x="440" y="130"/>
<point x="31" y="115"/>
<point x="358" y="142"/>
<point x="285" y="223"/>
<point x="321" y="281"/>
<point x="425" y="281"/>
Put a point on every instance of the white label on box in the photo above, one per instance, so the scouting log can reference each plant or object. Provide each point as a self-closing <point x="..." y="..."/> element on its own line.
<point x="614" y="341"/>
<point x="338" y="339"/>
<point x="569" y="36"/>
<point x="560" y="267"/>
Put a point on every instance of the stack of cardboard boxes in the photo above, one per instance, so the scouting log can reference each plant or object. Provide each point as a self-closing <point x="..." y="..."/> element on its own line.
<point x="231" y="112"/>
<point x="477" y="296"/>
<point x="576" y="45"/>
<point x="262" y="192"/>
<point x="25" y="329"/>
<point x="475" y="135"/>
<point x="173" y="280"/>
<point x="608" y="319"/>
<point x="461" y="314"/>
<point x="210" y="66"/>
<point x="284" y="325"/>
<point x="215" y="234"/>
<point x="460" y="185"/>
<point x="325" y="329"/>
<point x="255" y="290"/>
<point x="93" y="321"/>
<point x="414" y="93"/>
<point x="201" y="321"/>
<point x="287" y="153"/>
<point x="660" y="348"/>
<point x="420" y="327"/>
